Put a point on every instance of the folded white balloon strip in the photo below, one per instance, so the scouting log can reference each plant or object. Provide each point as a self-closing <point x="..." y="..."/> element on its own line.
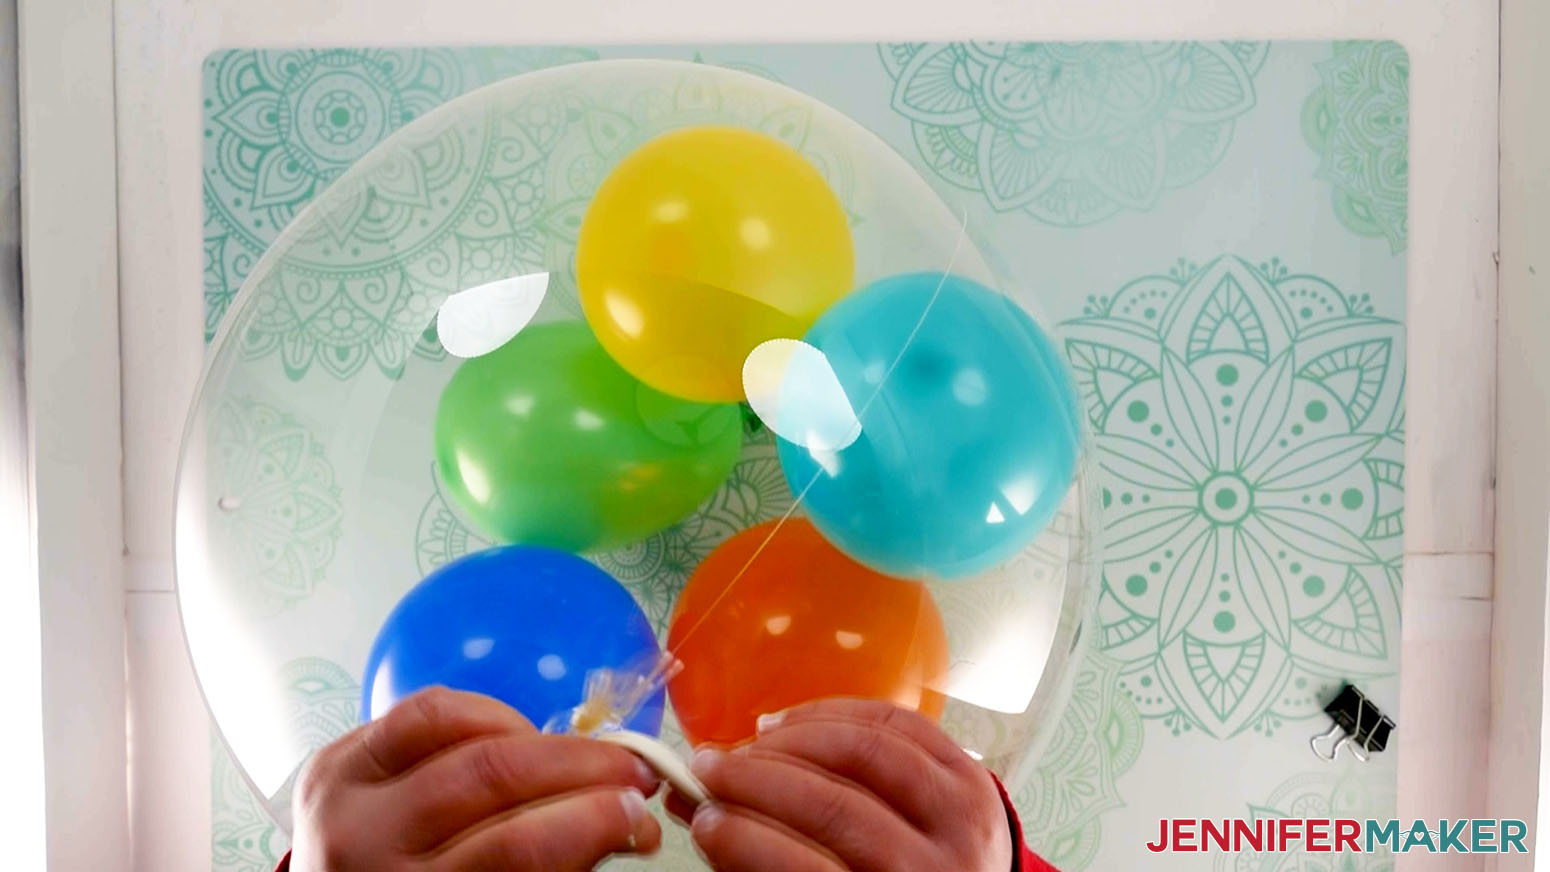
<point x="664" y="760"/>
<point x="478" y="320"/>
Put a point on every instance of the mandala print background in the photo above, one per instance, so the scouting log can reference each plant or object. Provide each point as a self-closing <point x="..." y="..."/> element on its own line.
<point x="1250" y="428"/>
<point x="1358" y="120"/>
<point x="1336" y="793"/>
<point x="1242" y="372"/>
<point x="279" y="126"/>
<point x="1072" y="134"/>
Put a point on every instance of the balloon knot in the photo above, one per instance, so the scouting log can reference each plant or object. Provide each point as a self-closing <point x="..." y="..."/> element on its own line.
<point x="612" y="696"/>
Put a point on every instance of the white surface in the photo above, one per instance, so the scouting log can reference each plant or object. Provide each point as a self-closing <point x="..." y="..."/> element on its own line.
<point x="171" y="748"/>
<point x="1523" y="383"/>
<point x="70" y="261"/>
<point x="1446" y="647"/>
<point x="1453" y="46"/>
<point x="1543" y="821"/>
<point x="21" y="731"/>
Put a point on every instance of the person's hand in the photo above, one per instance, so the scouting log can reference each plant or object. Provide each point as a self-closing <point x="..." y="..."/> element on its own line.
<point x="455" y="782"/>
<point x="849" y="785"/>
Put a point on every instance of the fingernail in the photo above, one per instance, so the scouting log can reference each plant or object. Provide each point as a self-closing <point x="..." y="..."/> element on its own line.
<point x="634" y="803"/>
<point x="645" y="774"/>
<point x="704" y="760"/>
<point x="768" y="722"/>
<point x="706" y="818"/>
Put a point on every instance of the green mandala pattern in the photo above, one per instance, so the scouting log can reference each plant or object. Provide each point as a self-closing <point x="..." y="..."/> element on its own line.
<point x="1099" y="739"/>
<point x="447" y="208"/>
<point x="243" y="838"/>
<point x="1358" y="121"/>
<point x="280" y="514"/>
<point x="440" y="536"/>
<point x="323" y="701"/>
<point x="455" y="205"/>
<point x="1251" y="441"/>
<point x="1073" y="133"/>
<point x="1346" y="793"/>
<point x="656" y="568"/>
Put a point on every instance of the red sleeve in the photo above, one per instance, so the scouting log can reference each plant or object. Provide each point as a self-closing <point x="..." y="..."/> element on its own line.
<point x="285" y="863"/>
<point x="1023" y="857"/>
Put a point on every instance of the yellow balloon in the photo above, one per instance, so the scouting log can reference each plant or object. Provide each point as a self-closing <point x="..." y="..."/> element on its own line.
<point x="700" y="245"/>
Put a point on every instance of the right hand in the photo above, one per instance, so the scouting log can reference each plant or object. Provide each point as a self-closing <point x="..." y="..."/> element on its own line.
<point x="457" y="782"/>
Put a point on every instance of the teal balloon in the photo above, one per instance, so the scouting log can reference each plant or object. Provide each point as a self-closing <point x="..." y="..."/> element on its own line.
<point x="970" y="430"/>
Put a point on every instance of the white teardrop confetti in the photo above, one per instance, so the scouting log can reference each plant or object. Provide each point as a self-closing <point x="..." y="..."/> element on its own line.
<point x="794" y="391"/>
<point x="480" y="319"/>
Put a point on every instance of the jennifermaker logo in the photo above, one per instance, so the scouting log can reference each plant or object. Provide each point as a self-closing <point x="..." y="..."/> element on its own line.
<point x="1338" y="835"/>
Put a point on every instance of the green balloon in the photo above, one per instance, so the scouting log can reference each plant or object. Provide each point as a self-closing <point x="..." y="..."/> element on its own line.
<point x="547" y="441"/>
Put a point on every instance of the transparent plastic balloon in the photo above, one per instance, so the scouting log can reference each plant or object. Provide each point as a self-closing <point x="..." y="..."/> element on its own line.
<point x="308" y="502"/>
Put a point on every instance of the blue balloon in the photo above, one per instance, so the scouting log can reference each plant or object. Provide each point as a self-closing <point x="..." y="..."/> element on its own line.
<point x="522" y="623"/>
<point x="967" y="449"/>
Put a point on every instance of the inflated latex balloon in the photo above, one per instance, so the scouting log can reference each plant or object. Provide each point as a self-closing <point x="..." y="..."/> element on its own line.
<point x="969" y="428"/>
<point x="776" y="617"/>
<point x="547" y="441"/>
<point x="522" y="624"/>
<point x="700" y="245"/>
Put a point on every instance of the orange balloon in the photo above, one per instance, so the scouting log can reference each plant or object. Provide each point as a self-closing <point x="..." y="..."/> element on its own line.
<point x="804" y="622"/>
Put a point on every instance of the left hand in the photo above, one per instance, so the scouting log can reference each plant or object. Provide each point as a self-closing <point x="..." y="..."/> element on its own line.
<point x="847" y="784"/>
<point x="454" y="782"/>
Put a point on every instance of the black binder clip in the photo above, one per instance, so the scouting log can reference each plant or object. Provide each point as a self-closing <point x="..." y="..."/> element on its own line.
<point x="1361" y="727"/>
